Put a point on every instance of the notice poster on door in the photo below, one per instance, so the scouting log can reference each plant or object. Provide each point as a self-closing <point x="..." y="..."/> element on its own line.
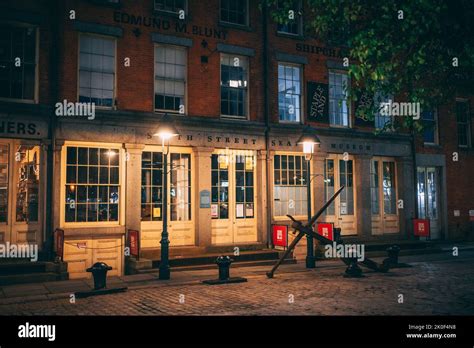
<point x="343" y="208"/>
<point x="240" y="210"/>
<point x="249" y="210"/>
<point x="157" y="212"/>
<point x="214" y="211"/>
<point x="421" y="227"/>
<point x="223" y="162"/>
<point x="249" y="163"/>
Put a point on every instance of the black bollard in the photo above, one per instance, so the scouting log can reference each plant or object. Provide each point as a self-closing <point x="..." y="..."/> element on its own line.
<point x="353" y="270"/>
<point x="99" y="272"/>
<point x="224" y="262"/>
<point x="393" y="252"/>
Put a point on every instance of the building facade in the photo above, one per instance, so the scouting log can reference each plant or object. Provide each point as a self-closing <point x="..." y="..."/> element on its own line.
<point x="241" y="90"/>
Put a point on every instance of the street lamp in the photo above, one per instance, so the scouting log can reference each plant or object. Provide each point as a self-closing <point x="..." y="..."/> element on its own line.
<point x="309" y="139"/>
<point x="165" y="132"/>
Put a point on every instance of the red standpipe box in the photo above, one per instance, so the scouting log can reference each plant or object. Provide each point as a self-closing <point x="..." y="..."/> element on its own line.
<point x="326" y="230"/>
<point x="421" y="227"/>
<point x="280" y="235"/>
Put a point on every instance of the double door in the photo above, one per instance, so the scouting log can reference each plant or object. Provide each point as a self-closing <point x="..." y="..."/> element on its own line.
<point x="339" y="170"/>
<point x="20" y="193"/>
<point x="233" y="205"/>
<point x="383" y="193"/>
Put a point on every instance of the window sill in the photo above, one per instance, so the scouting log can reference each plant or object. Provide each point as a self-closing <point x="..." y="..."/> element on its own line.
<point x="243" y="27"/>
<point x="290" y="36"/>
<point x="92" y="230"/>
<point x="234" y="118"/>
<point x="174" y="15"/>
<point x="432" y="146"/>
<point x="20" y="101"/>
<point x="106" y="3"/>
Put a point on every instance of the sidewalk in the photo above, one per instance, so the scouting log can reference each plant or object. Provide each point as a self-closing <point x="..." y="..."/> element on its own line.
<point x="64" y="289"/>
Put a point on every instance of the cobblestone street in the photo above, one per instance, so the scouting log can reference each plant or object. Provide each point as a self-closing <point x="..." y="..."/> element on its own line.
<point x="442" y="285"/>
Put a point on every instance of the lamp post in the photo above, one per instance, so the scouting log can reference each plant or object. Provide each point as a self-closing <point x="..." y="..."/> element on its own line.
<point x="165" y="132"/>
<point x="309" y="140"/>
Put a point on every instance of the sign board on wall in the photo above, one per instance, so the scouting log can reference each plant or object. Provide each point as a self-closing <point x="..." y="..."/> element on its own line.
<point x="318" y="102"/>
<point x="134" y="243"/>
<point x="326" y="230"/>
<point x="59" y="242"/>
<point x="22" y="129"/>
<point x="205" y="199"/>
<point x="280" y="236"/>
<point x="421" y="227"/>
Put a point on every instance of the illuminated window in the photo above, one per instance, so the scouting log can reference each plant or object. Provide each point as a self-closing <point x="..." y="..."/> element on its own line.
<point x="338" y="99"/>
<point x="289" y="92"/>
<point x="234" y="86"/>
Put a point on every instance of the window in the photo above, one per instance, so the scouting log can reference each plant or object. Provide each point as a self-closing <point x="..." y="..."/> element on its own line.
<point x="173" y="6"/>
<point x="152" y="186"/>
<point x="170" y="78"/>
<point x="338" y="99"/>
<point x="464" y="123"/>
<point x="234" y="86"/>
<point x="374" y="187"/>
<point x="389" y="191"/>
<point x="27" y="193"/>
<point x="180" y="187"/>
<point x="382" y="122"/>
<point x="346" y="206"/>
<point x="430" y="127"/>
<point x="329" y="184"/>
<point x="289" y="92"/>
<point x="289" y="190"/>
<point x="17" y="62"/>
<point x="244" y="192"/>
<point x="234" y="11"/>
<point x="97" y="70"/>
<point x="293" y="26"/>
<point x="92" y="184"/>
<point x="4" y="156"/>
<point x="220" y="185"/>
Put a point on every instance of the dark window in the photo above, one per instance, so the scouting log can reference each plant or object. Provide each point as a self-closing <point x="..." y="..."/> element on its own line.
<point x="294" y="22"/>
<point x="464" y="123"/>
<point x="234" y="11"/>
<point x="430" y="128"/>
<point x="17" y="62"/>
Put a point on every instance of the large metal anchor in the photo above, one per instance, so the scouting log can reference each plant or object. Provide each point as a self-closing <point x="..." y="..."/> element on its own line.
<point x="306" y="229"/>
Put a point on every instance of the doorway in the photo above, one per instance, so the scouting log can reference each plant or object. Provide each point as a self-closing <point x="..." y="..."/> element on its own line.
<point x="233" y="209"/>
<point x="428" y="198"/>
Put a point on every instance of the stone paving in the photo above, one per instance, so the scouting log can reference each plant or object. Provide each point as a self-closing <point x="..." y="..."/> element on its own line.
<point x="444" y="285"/>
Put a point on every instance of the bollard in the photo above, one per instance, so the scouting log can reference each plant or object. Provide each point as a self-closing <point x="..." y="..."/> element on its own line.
<point x="393" y="252"/>
<point x="99" y="272"/>
<point x="353" y="270"/>
<point x="224" y="264"/>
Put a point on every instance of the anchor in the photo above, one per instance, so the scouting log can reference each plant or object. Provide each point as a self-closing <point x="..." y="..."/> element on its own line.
<point x="306" y="230"/>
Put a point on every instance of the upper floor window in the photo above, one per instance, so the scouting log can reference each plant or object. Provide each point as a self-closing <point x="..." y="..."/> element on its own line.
<point x="289" y="92"/>
<point x="173" y="6"/>
<point x="464" y="123"/>
<point x="17" y="62"/>
<point x="338" y="99"/>
<point x="430" y="124"/>
<point x="234" y="85"/>
<point x="382" y="121"/>
<point x="97" y="70"/>
<point x="170" y="78"/>
<point x="294" y="21"/>
<point x="234" y="11"/>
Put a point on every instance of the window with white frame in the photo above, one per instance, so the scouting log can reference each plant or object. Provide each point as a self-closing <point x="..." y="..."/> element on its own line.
<point x="289" y="92"/>
<point x="234" y="85"/>
<point x="289" y="189"/>
<point x="463" y="120"/>
<point x="338" y="98"/>
<point x="234" y="11"/>
<point x="97" y="70"/>
<point x="173" y="6"/>
<point x="430" y="126"/>
<point x="92" y="184"/>
<point x="170" y="78"/>
<point x="294" y="21"/>
<point x="17" y="62"/>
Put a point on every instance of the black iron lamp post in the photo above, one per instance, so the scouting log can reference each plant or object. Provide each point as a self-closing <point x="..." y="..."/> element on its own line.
<point x="309" y="139"/>
<point x="165" y="132"/>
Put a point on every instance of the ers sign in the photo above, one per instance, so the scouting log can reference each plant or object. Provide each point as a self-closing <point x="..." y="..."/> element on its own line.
<point x="421" y="227"/>
<point x="326" y="230"/>
<point x="280" y="235"/>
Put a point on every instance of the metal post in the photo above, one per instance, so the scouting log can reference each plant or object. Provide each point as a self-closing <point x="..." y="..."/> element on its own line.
<point x="310" y="261"/>
<point x="164" y="270"/>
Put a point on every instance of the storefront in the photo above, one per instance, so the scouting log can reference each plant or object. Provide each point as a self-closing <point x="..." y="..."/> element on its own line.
<point x="22" y="181"/>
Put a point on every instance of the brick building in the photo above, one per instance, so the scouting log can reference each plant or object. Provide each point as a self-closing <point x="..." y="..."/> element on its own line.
<point x="241" y="90"/>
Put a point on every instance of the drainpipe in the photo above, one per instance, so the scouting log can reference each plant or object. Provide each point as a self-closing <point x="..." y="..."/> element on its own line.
<point x="415" y="176"/>
<point x="53" y="89"/>
<point x="267" y="116"/>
